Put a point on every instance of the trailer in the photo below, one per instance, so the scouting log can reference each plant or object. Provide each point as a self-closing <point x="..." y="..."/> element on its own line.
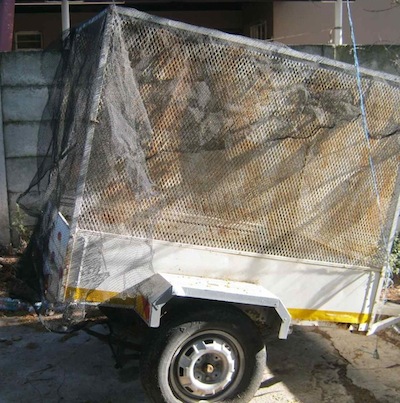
<point x="213" y="184"/>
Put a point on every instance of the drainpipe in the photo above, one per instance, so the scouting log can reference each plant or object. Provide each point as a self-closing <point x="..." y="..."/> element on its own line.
<point x="6" y="24"/>
<point x="338" y="30"/>
<point x="65" y="17"/>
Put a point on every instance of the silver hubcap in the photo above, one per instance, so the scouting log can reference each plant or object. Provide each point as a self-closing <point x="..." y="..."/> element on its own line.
<point x="206" y="366"/>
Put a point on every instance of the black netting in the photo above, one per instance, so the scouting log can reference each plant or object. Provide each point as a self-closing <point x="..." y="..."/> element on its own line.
<point x="160" y="131"/>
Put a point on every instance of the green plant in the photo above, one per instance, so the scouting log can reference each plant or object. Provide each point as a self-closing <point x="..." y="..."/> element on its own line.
<point x="395" y="255"/>
<point x="18" y="225"/>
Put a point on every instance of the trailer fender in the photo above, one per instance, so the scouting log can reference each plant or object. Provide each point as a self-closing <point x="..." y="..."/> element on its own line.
<point x="154" y="292"/>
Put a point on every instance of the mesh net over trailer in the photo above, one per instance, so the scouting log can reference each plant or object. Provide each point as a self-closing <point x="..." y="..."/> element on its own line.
<point x="157" y="130"/>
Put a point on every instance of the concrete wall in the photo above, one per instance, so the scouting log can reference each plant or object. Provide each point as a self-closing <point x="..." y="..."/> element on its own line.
<point x="24" y="81"/>
<point x="375" y="57"/>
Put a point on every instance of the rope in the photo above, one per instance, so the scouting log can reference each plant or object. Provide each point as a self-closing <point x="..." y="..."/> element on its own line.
<point x="362" y="105"/>
<point x="387" y="268"/>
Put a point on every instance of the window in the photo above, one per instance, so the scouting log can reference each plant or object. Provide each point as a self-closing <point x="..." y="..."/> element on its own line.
<point x="259" y="31"/>
<point x="28" y="40"/>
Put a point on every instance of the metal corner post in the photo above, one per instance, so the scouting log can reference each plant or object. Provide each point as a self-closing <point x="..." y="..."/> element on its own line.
<point x="65" y="19"/>
<point x="338" y="30"/>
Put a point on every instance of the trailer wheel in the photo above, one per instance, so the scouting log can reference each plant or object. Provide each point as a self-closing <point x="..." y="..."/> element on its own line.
<point x="211" y="356"/>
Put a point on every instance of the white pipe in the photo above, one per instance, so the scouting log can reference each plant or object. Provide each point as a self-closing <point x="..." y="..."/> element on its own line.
<point x="338" y="30"/>
<point x="65" y="17"/>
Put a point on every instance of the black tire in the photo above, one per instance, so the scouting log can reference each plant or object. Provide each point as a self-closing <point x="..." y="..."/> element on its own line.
<point x="215" y="356"/>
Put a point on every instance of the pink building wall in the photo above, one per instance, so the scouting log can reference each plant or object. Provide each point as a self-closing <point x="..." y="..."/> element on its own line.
<point x="310" y="22"/>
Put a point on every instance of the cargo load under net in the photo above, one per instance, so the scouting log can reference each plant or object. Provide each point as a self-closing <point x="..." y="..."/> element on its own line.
<point x="163" y="131"/>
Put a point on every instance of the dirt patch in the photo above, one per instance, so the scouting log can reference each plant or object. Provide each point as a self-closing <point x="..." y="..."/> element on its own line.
<point x="7" y="274"/>
<point x="358" y="394"/>
<point x="10" y="285"/>
<point x="32" y="346"/>
<point x="390" y="335"/>
<point x="392" y="294"/>
<point x="66" y="337"/>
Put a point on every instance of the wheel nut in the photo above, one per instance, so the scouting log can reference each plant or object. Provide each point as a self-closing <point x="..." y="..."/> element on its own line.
<point x="209" y="369"/>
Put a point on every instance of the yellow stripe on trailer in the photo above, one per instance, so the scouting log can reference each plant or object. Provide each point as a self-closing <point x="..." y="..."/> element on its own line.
<point x="138" y="302"/>
<point x="92" y="295"/>
<point x="101" y="296"/>
<point x="329" y="316"/>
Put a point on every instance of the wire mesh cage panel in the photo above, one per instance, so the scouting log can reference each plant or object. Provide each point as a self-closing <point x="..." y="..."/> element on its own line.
<point x="192" y="136"/>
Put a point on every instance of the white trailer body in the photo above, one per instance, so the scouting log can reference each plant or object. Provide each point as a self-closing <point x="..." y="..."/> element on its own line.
<point x="311" y="291"/>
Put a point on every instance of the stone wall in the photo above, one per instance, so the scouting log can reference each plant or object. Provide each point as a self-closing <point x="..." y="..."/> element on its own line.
<point x="25" y="78"/>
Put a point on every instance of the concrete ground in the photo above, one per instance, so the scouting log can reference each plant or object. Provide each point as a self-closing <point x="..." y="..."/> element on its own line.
<point x="314" y="365"/>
